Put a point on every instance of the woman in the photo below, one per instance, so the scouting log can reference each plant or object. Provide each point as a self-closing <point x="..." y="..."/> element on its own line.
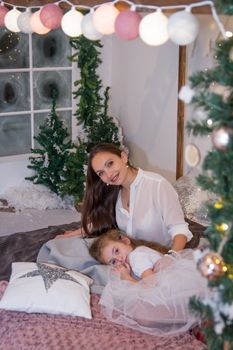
<point x="141" y="203"/>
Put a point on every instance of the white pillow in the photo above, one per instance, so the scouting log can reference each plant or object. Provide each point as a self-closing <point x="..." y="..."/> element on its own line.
<point x="47" y="288"/>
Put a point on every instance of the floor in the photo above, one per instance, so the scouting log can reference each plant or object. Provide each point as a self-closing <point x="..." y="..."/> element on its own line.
<point x="32" y="219"/>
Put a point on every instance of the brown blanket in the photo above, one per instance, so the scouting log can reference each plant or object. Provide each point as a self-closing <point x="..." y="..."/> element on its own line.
<point x="24" y="246"/>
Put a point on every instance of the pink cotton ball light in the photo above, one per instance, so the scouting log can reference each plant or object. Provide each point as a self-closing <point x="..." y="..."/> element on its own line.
<point x="51" y="16"/>
<point x="3" y="12"/>
<point x="127" y="25"/>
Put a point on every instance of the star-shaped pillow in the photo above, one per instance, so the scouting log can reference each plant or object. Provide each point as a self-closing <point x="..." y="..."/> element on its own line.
<point x="47" y="288"/>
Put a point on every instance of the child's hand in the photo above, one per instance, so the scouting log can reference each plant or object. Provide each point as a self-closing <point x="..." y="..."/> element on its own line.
<point x="124" y="271"/>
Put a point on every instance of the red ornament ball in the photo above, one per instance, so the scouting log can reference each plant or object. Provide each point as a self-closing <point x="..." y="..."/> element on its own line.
<point x="127" y="25"/>
<point x="3" y="12"/>
<point x="51" y="16"/>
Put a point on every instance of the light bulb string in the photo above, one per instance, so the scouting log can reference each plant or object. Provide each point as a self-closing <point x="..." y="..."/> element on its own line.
<point x="130" y="3"/>
<point x="139" y="6"/>
<point x="218" y="21"/>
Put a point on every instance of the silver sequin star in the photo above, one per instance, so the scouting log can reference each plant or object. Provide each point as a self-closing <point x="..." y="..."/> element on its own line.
<point x="50" y="274"/>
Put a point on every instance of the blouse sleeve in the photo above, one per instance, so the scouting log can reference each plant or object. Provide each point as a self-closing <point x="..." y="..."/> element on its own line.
<point x="172" y="212"/>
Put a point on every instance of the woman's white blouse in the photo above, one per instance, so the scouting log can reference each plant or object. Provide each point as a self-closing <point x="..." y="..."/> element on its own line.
<point x="155" y="212"/>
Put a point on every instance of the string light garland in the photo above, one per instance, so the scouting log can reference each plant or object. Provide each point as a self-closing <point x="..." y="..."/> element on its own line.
<point x="105" y="19"/>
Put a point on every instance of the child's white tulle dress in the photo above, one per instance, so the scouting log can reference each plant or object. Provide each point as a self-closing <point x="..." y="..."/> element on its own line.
<point x="158" y="304"/>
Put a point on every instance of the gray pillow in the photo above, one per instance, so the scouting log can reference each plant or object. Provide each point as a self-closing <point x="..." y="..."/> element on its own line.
<point x="73" y="253"/>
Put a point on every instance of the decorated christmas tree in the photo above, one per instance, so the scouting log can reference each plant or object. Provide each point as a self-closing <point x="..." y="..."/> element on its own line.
<point x="212" y="94"/>
<point x="53" y="151"/>
<point x="92" y="116"/>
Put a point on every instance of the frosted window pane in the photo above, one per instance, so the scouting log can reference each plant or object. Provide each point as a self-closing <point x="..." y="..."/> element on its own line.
<point x="39" y="119"/>
<point x="15" y="135"/>
<point x="43" y="83"/>
<point x="51" y="50"/>
<point x="13" y="50"/>
<point x="14" y="92"/>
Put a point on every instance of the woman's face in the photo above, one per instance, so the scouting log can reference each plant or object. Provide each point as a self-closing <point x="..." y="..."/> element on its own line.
<point x="116" y="253"/>
<point x="110" y="168"/>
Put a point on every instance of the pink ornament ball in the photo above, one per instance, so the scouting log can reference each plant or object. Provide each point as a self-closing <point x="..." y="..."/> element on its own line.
<point x="127" y="25"/>
<point x="3" y="12"/>
<point x="51" y="16"/>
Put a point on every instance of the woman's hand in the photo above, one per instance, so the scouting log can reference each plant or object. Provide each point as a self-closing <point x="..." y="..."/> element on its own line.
<point x="73" y="233"/>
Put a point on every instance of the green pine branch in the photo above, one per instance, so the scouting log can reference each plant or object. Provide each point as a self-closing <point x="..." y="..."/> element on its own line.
<point x="214" y="95"/>
<point x="224" y="6"/>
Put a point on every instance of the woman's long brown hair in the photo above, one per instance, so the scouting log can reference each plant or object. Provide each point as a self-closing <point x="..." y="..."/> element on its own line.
<point x="98" y="210"/>
<point x="116" y="236"/>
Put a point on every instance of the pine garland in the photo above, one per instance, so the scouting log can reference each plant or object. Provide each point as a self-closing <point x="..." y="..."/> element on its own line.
<point x="91" y="114"/>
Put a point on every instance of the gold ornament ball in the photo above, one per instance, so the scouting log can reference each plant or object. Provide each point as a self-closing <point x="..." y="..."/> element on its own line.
<point x="212" y="266"/>
<point x="218" y="205"/>
<point x="221" y="227"/>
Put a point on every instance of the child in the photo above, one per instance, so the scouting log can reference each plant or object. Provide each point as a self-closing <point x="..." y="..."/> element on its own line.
<point x="136" y="296"/>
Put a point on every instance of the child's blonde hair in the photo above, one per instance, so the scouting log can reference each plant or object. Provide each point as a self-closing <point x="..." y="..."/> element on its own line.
<point x="116" y="235"/>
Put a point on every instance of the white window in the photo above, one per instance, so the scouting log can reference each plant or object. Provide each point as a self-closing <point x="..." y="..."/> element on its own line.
<point x="30" y="67"/>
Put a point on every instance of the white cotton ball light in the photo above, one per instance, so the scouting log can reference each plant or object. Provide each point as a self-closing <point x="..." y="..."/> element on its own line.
<point x="104" y="19"/>
<point x="36" y="24"/>
<point x="24" y="22"/>
<point x="183" y="27"/>
<point x="88" y="28"/>
<point x="153" y="28"/>
<point x="10" y="20"/>
<point x="71" y="23"/>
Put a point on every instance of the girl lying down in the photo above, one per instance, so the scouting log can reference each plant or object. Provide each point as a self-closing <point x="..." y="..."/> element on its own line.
<point x="140" y="298"/>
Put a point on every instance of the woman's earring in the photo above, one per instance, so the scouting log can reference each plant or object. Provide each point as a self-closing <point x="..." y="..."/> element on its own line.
<point x="107" y="184"/>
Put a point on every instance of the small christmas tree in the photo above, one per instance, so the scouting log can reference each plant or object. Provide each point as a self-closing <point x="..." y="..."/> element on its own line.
<point x="50" y="158"/>
<point x="212" y="91"/>
<point x="74" y="173"/>
<point x="91" y="114"/>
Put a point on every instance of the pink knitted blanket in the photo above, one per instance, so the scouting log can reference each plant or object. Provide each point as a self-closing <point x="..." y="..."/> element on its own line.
<point x="22" y="331"/>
